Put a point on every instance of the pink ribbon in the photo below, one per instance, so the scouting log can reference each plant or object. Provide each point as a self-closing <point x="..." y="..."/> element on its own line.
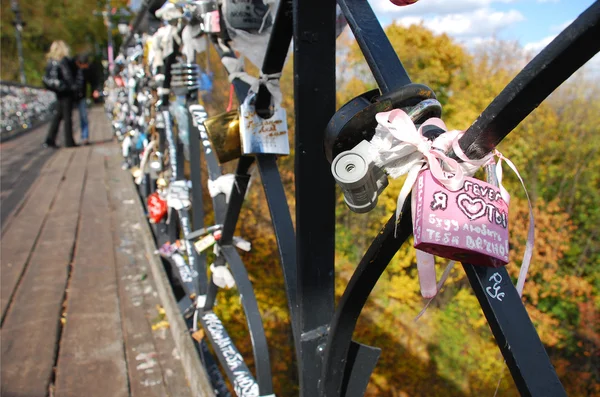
<point x="411" y="152"/>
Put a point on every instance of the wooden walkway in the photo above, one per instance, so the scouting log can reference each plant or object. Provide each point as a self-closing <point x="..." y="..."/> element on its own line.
<point x="80" y="308"/>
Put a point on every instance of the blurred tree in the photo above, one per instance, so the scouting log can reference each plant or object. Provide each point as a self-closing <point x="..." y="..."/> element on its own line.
<point x="72" y="21"/>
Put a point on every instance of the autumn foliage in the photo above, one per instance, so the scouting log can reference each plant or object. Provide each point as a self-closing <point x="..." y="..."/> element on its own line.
<point x="450" y="351"/>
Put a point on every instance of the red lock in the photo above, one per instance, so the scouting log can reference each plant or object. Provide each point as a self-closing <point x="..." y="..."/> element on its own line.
<point x="403" y="2"/>
<point x="157" y="208"/>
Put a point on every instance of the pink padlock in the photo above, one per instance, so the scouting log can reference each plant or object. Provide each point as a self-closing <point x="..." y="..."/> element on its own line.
<point x="469" y="225"/>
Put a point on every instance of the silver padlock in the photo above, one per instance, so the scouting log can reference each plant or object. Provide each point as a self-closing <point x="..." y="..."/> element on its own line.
<point x="263" y="136"/>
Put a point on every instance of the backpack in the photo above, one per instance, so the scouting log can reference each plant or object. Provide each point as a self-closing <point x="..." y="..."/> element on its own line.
<point x="53" y="78"/>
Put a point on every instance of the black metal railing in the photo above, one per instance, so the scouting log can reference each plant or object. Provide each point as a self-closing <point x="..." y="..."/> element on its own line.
<point x="329" y="363"/>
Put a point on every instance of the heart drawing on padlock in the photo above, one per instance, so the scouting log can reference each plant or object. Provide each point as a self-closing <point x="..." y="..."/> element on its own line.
<point x="468" y="225"/>
<point x="473" y="208"/>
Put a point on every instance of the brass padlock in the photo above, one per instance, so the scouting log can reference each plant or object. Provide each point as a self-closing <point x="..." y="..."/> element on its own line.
<point x="224" y="134"/>
<point x="161" y="183"/>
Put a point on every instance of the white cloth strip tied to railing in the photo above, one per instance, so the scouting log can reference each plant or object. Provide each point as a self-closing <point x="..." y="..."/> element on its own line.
<point x="223" y="184"/>
<point x="178" y="195"/>
<point x="144" y="162"/>
<point x="401" y="149"/>
<point x="222" y="276"/>
<point x="271" y="81"/>
<point x="192" y="44"/>
<point x="250" y="41"/>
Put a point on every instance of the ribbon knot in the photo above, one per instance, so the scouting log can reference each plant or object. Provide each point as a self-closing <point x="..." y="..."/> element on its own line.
<point x="424" y="146"/>
<point x="402" y="149"/>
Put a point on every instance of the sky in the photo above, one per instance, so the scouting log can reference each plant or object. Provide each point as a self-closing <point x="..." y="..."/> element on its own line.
<point x="532" y="23"/>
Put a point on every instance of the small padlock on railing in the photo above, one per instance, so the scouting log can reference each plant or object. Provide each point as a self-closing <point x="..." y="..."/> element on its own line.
<point x="223" y="131"/>
<point x="468" y="225"/>
<point x="211" y="20"/>
<point x="263" y="135"/>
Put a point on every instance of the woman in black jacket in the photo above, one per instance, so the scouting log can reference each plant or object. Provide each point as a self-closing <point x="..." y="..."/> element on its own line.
<point x="60" y="70"/>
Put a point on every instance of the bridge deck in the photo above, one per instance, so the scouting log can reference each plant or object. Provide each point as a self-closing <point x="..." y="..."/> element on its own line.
<point x="80" y="309"/>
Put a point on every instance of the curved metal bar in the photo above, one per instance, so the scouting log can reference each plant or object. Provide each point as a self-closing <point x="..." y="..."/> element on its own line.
<point x="216" y="377"/>
<point x="241" y="87"/>
<point x="283" y="226"/>
<point x="260" y="348"/>
<point x="212" y="164"/>
<point x="281" y="218"/>
<point x="227" y="214"/>
<point x="572" y="48"/>
<point x="370" y="268"/>
<point x="230" y="358"/>
<point x="236" y="199"/>
<point x="374" y="44"/>
<point x="355" y="120"/>
<point x="195" y="171"/>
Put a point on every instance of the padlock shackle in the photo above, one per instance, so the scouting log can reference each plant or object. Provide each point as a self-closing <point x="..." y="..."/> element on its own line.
<point x="355" y="121"/>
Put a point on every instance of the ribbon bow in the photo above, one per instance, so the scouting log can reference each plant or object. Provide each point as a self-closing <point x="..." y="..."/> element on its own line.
<point x="402" y="149"/>
<point x="271" y="81"/>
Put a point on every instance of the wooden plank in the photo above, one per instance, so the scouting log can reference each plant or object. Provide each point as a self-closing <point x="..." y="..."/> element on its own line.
<point x="145" y="371"/>
<point x="32" y="325"/>
<point x="24" y="181"/>
<point x="153" y="363"/>
<point x="20" y="237"/>
<point x="192" y="366"/>
<point x="100" y="129"/>
<point x="91" y="359"/>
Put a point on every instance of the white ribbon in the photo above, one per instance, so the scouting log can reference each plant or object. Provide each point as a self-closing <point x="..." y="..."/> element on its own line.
<point x="242" y="244"/>
<point x="168" y="12"/>
<point x="531" y="229"/>
<point x="148" y="149"/>
<point x="178" y="196"/>
<point x="271" y="81"/>
<point x="221" y="276"/>
<point x="402" y="149"/>
<point x="223" y="184"/>
<point x="162" y="91"/>
<point x="169" y="36"/>
<point x="192" y="45"/>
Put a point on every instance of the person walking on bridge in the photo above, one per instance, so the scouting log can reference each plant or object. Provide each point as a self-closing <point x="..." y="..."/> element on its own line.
<point x="83" y="78"/>
<point x="59" y="78"/>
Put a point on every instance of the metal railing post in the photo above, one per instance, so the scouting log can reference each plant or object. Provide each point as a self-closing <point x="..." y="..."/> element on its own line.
<point x="314" y="92"/>
<point x="14" y="5"/>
